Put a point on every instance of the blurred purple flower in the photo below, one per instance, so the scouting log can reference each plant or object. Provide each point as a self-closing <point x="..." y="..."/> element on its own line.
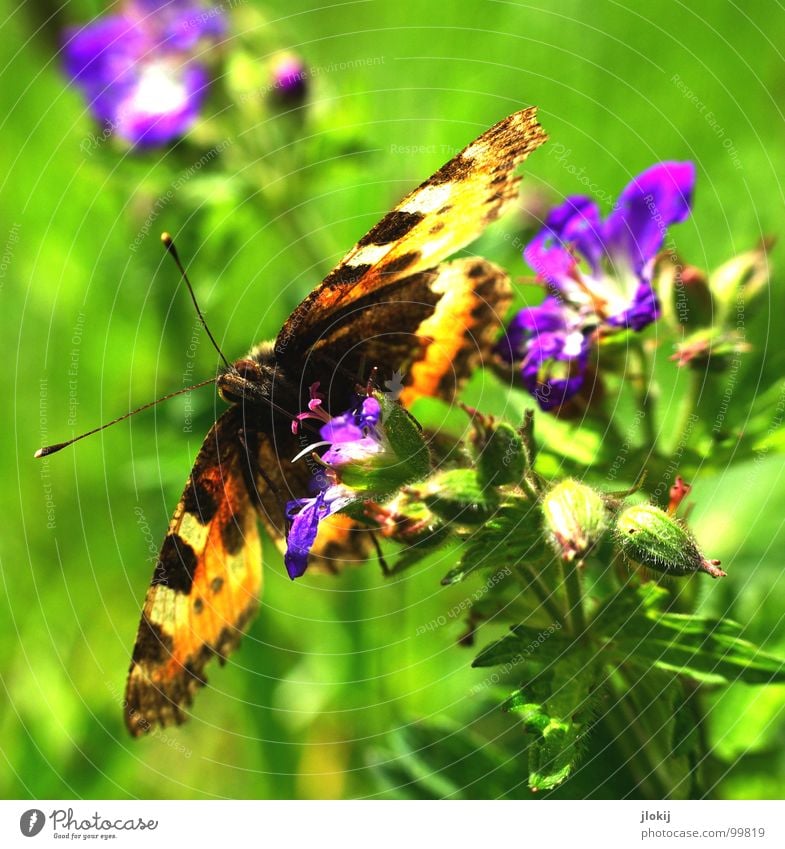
<point x="598" y="272"/>
<point x="351" y="437"/>
<point x="289" y="79"/>
<point x="137" y="68"/>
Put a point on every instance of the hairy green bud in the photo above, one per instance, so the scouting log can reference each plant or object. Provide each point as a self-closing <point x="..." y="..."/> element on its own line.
<point x="456" y="495"/>
<point x="650" y="536"/>
<point x="500" y="456"/>
<point x="575" y="517"/>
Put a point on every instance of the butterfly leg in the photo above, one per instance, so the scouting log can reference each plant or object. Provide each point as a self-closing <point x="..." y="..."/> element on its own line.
<point x="250" y="443"/>
<point x="386" y="570"/>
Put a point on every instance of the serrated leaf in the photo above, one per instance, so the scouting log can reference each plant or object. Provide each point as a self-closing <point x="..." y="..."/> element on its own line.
<point x="511" y="536"/>
<point x="556" y="709"/>
<point x="524" y="643"/>
<point x="705" y="649"/>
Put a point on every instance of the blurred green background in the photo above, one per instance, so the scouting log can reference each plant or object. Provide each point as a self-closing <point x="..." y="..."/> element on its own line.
<point x="333" y="668"/>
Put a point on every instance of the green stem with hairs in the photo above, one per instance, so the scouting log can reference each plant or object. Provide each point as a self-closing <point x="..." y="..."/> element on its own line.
<point x="574" y="591"/>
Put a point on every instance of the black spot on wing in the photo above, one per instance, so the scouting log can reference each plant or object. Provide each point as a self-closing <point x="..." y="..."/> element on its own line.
<point x="496" y="197"/>
<point x="152" y="644"/>
<point x="392" y="228"/>
<point x="455" y="170"/>
<point x="399" y="264"/>
<point x="232" y="535"/>
<point x="176" y="565"/>
<point x="216" y="585"/>
<point x="346" y="275"/>
<point x="199" y="501"/>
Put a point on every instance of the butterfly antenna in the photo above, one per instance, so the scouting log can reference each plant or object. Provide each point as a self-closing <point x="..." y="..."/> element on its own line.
<point x="53" y="449"/>
<point x="169" y="245"/>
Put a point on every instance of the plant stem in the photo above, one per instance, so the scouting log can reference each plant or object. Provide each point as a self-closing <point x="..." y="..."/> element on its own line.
<point x="574" y="591"/>
<point x="642" y="385"/>
<point x="685" y="422"/>
<point x="545" y="598"/>
<point x="622" y="722"/>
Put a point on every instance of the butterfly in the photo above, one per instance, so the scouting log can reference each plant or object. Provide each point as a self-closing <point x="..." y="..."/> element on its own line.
<point x="392" y="304"/>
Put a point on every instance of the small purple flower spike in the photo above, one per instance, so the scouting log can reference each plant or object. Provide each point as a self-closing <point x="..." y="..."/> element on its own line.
<point x="305" y="515"/>
<point x="351" y="437"/>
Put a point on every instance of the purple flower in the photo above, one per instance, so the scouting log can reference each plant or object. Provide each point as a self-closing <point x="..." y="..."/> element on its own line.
<point x="305" y="515"/>
<point x="289" y="78"/>
<point x="350" y="438"/>
<point x="354" y="435"/>
<point x="605" y="264"/>
<point x="136" y="69"/>
<point x="552" y="344"/>
<point x="598" y="272"/>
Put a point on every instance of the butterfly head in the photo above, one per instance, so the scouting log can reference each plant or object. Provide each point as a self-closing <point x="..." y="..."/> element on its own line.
<point x="246" y="381"/>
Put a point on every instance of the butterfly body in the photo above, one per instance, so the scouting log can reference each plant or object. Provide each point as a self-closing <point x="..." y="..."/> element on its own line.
<point x="392" y="304"/>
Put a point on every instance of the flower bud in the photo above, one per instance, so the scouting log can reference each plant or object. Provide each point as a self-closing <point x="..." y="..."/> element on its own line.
<point x="289" y="79"/>
<point x="575" y="518"/>
<point x="738" y="281"/>
<point x="649" y="536"/>
<point x="684" y="292"/>
<point x="500" y="455"/>
<point x="456" y="495"/>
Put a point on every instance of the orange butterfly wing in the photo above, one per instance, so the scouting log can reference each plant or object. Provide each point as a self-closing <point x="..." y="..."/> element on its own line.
<point x="205" y="587"/>
<point x="438" y="218"/>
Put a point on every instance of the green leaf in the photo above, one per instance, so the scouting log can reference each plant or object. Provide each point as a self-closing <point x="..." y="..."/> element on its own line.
<point x="524" y="643"/>
<point x="511" y="536"/>
<point x="745" y="720"/>
<point x="556" y="709"/>
<point x="653" y="724"/>
<point x="582" y="445"/>
<point x="706" y="649"/>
